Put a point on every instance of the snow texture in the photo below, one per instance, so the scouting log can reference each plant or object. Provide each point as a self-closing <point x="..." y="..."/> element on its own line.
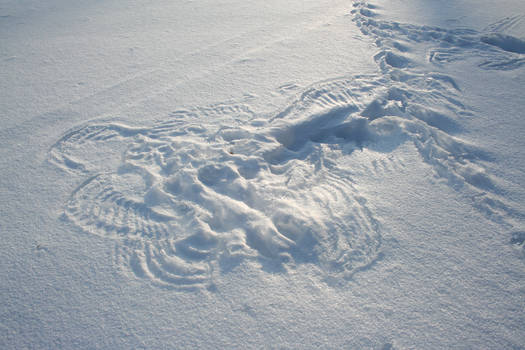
<point x="355" y="198"/>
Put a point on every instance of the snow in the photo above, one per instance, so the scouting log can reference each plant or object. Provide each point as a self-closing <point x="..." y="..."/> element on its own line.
<point x="233" y="174"/>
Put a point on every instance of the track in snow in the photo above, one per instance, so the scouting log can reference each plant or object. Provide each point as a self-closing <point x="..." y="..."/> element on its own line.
<point x="189" y="197"/>
<point x="491" y="49"/>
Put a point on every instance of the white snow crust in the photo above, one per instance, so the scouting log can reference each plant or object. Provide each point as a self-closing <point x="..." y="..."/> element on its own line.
<point x="239" y="174"/>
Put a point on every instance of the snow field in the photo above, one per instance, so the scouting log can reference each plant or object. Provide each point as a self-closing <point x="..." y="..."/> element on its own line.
<point x="359" y="185"/>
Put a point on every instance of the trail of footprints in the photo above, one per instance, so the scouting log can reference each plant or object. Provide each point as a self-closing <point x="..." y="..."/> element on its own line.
<point x="461" y="164"/>
<point x="492" y="49"/>
<point x="189" y="197"/>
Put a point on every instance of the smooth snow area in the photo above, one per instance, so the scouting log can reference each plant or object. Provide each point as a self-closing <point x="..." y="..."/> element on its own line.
<point x="241" y="174"/>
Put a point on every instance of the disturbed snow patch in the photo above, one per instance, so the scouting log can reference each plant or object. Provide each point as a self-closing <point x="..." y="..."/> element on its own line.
<point x="191" y="196"/>
<point x="460" y="163"/>
<point x="187" y="198"/>
<point x="492" y="49"/>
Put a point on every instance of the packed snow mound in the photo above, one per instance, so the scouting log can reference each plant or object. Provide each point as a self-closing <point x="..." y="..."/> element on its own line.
<point x="191" y="196"/>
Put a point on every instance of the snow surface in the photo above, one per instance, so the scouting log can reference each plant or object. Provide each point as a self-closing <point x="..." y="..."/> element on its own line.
<point x="236" y="174"/>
